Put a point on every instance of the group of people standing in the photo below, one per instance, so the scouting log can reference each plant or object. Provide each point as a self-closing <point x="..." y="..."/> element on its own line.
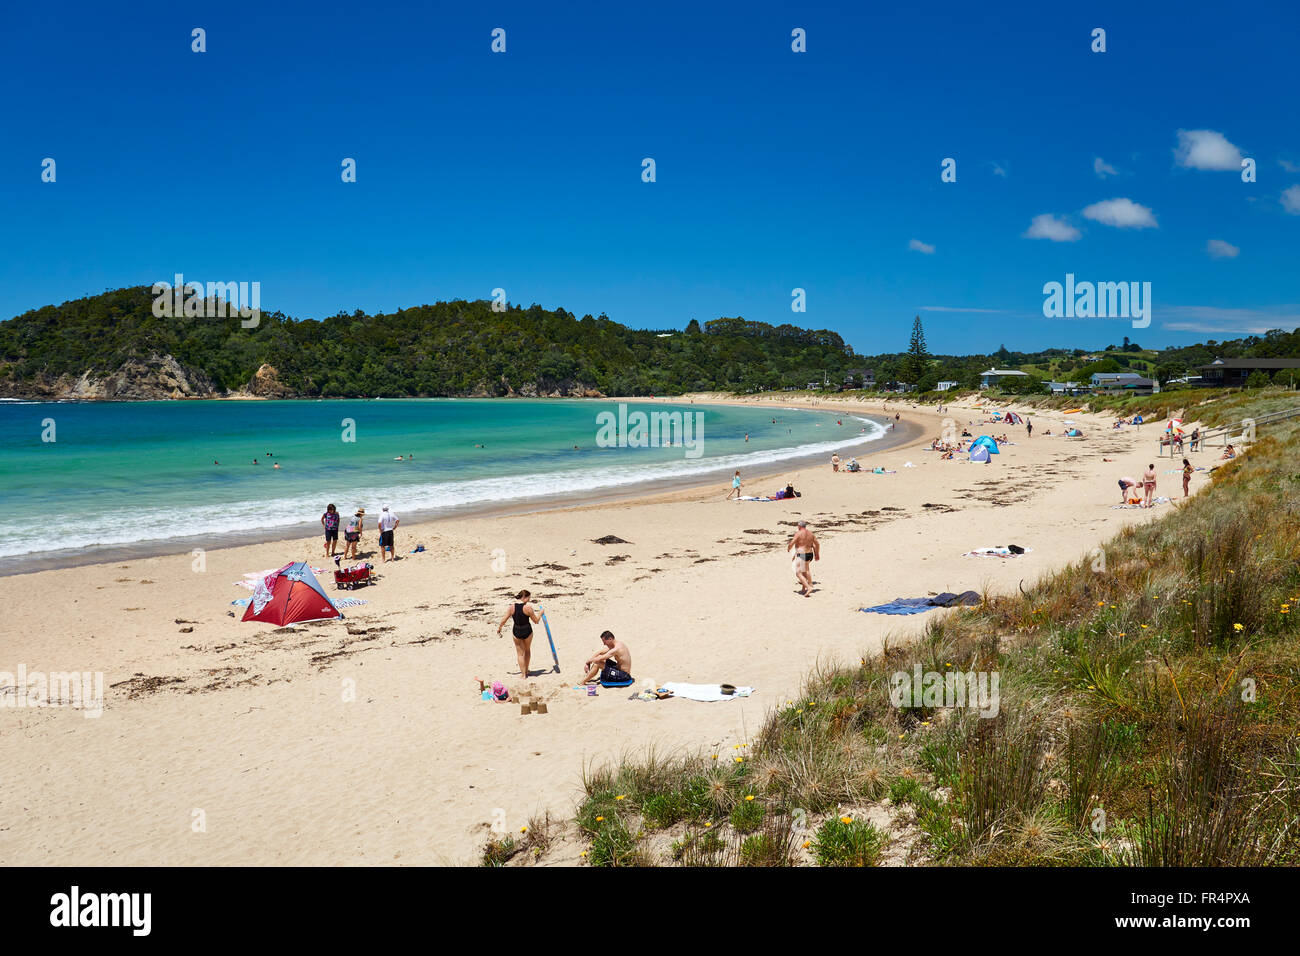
<point x="331" y="519"/>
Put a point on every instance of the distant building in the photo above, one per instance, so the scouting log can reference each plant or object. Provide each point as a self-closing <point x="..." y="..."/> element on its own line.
<point x="866" y="375"/>
<point x="1123" y="383"/>
<point x="1064" y="388"/>
<point x="944" y="386"/>
<point x="993" y="376"/>
<point x="1230" y="372"/>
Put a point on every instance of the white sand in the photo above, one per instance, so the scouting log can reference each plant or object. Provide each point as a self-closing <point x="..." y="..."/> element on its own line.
<point x="257" y="736"/>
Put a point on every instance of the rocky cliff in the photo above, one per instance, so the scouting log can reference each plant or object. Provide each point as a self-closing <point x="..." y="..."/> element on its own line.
<point x="150" y="379"/>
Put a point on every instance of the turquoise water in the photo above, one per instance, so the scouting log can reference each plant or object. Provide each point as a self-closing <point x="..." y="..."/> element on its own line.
<point x="127" y="473"/>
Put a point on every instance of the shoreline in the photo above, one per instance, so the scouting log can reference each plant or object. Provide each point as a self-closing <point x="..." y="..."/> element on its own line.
<point x="247" y="721"/>
<point x="638" y="492"/>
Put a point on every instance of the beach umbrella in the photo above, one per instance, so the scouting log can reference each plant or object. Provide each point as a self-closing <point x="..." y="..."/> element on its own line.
<point x="1174" y="426"/>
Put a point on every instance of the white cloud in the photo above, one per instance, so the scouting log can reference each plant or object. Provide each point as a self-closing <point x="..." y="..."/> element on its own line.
<point x="1206" y="149"/>
<point x="1289" y="166"/>
<point x="999" y="171"/>
<point x="1121" y="213"/>
<point x="1103" y="168"/>
<point x="1047" y="226"/>
<point x="1209" y="318"/>
<point x="1291" y="200"/>
<point x="917" y="245"/>
<point x="1218" y="249"/>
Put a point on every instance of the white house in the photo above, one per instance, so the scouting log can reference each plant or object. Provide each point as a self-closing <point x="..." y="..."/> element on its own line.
<point x="944" y="386"/>
<point x="992" y="376"/>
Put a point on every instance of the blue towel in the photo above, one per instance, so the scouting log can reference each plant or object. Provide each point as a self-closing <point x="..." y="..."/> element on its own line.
<point x="899" y="607"/>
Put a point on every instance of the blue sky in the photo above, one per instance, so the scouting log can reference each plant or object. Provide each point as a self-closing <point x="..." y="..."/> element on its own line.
<point x="774" y="169"/>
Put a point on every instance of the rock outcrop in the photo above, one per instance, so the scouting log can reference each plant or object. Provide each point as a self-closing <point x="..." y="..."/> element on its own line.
<point x="150" y="379"/>
<point x="265" y="383"/>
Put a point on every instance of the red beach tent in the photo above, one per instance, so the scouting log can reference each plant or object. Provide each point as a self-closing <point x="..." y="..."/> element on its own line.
<point x="290" y="596"/>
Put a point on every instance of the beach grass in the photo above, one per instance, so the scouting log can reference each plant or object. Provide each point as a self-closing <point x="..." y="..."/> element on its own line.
<point x="1146" y="715"/>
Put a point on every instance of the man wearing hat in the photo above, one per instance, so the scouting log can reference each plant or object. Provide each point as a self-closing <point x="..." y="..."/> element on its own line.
<point x="388" y="523"/>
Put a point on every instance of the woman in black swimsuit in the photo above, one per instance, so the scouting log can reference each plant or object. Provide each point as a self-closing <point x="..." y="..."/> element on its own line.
<point x="523" y="613"/>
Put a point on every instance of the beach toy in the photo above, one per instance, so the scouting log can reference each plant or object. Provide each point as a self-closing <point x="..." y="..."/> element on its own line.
<point x="549" y="640"/>
<point x="591" y="691"/>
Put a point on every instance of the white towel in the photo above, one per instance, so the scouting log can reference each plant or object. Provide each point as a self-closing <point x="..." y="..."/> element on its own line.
<point x="705" y="692"/>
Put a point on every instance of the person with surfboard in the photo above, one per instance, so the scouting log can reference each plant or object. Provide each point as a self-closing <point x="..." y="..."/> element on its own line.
<point x="523" y="613"/>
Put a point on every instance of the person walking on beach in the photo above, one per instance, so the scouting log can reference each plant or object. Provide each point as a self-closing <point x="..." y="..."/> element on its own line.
<point x="522" y="612"/>
<point x="806" y="550"/>
<point x="1029" y="428"/>
<point x="352" y="534"/>
<point x="1187" y="475"/>
<point x="330" y="522"/>
<point x="1196" y="438"/>
<point x="613" y="665"/>
<point x="1149" y="486"/>
<point x="735" y="486"/>
<point x="388" y="523"/>
<point x="835" y="462"/>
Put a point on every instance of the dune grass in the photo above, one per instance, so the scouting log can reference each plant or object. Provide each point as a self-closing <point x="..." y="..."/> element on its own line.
<point x="1147" y="715"/>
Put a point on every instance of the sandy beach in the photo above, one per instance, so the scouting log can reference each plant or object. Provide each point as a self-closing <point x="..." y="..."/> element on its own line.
<point x="364" y="740"/>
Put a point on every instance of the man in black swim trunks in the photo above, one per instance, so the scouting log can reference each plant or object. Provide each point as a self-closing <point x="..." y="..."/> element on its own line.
<point x="805" y="544"/>
<point x="613" y="665"/>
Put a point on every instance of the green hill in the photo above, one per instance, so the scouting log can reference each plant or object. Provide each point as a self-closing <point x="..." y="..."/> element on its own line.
<point x="113" y="346"/>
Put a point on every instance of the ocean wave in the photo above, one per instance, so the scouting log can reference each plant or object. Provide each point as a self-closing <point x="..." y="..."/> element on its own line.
<point x="286" y="513"/>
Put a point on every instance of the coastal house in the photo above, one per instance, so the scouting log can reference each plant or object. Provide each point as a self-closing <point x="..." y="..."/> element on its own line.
<point x="1123" y="383"/>
<point x="991" y="377"/>
<point x="1234" y="372"/>
<point x="860" y="378"/>
<point x="1064" y="388"/>
<point x="944" y="386"/>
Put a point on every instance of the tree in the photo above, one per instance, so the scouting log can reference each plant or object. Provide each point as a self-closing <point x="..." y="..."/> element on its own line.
<point x="918" y="359"/>
<point x="1167" y="370"/>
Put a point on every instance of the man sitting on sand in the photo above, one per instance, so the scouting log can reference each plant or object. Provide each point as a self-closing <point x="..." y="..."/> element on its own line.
<point x="613" y="665"/>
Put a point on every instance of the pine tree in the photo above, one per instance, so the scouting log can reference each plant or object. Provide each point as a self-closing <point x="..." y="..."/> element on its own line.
<point x="918" y="359"/>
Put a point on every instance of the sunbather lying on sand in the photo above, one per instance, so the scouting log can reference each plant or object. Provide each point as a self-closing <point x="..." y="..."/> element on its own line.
<point x="613" y="665"/>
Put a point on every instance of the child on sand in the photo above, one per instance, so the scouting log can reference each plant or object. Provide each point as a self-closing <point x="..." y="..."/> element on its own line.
<point x="735" y="485"/>
<point x="499" y="693"/>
